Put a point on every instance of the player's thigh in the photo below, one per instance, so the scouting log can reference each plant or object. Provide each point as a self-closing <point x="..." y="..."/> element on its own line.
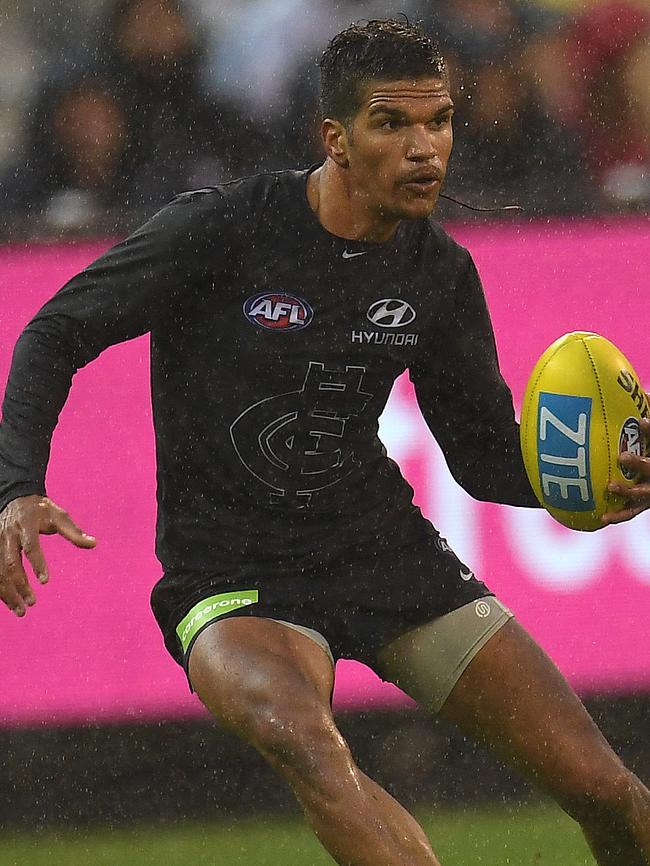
<point x="512" y="697"/>
<point x="268" y="683"/>
<point x="509" y="695"/>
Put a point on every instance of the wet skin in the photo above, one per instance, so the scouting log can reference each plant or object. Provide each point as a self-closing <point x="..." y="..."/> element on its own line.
<point x="388" y="163"/>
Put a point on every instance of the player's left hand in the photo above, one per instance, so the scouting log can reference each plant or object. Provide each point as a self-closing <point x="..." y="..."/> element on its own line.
<point x="637" y="496"/>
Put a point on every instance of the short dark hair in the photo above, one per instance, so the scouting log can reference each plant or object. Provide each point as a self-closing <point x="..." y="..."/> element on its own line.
<point x="378" y="49"/>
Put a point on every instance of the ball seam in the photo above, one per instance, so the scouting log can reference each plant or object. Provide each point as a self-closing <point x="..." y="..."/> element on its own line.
<point x="605" y="419"/>
<point x="533" y="389"/>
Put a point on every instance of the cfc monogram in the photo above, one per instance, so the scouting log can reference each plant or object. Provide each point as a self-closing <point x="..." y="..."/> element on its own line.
<point x="298" y="444"/>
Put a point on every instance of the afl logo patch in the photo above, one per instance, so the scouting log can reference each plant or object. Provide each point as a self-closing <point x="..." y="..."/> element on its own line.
<point x="630" y="440"/>
<point x="391" y="313"/>
<point x="278" y="311"/>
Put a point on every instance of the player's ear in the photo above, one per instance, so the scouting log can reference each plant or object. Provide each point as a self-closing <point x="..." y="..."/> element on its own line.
<point x="335" y="140"/>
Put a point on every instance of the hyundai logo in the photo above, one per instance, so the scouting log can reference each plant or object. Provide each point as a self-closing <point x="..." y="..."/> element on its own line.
<point x="391" y="313"/>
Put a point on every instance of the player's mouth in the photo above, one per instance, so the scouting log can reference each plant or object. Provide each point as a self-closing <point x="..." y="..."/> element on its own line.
<point x="423" y="182"/>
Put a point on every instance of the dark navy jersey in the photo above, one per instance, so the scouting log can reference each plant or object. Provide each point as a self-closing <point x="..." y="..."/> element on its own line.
<point x="274" y="346"/>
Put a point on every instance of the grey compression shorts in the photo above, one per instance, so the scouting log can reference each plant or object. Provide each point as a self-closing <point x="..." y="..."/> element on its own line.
<point x="428" y="661"/>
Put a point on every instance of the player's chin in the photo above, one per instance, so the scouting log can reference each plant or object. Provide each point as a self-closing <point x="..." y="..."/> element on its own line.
<point x="418" y="207"/>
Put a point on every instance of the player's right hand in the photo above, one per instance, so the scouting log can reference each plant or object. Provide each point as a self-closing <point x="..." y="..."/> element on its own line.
<point x="21" y="523"/>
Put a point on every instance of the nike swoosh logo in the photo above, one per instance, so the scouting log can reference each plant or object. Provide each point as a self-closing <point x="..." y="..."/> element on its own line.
<point x="466" y="575"/>
<point x="346" y="255"/>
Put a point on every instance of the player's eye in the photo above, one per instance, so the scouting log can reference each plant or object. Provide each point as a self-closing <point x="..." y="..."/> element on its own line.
<point x="441" y="120"/>
<point x="393" y="124"/>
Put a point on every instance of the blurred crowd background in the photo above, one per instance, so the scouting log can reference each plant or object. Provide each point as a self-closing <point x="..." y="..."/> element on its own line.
<point x="108" y="108"/>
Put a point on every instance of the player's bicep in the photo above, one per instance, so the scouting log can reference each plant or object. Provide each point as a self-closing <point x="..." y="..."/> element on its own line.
<point x="459" y="384"/>
<point x="468" y="405"/>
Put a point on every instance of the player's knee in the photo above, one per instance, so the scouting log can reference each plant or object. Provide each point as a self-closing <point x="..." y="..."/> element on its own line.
<point x="305" y="743"/>
<point x="602" y="796"/>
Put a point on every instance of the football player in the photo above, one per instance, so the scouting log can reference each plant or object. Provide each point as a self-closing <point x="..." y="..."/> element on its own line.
<point x="281" y="308"/>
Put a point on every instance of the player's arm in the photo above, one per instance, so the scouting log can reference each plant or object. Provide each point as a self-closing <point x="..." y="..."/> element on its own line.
<point x="468" y="405"/>
<point x="637" y="496"/>
<point x="118" y="297"/>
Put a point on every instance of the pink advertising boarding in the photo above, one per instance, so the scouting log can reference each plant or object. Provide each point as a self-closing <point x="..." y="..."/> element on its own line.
<point x="90" y="649"/>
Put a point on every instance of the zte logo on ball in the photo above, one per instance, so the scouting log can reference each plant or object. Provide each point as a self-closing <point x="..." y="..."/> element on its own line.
<point x="563" y="425"/>
<point x="277" y="311"/>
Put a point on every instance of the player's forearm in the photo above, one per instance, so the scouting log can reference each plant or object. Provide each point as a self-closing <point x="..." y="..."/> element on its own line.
<point x="498" y="475"/>
<point x="485" y="459"/>
<point x="44" y="362"/>
<point x="479" y="437"/>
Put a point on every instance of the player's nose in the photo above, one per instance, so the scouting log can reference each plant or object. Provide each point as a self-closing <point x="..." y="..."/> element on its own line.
<point x="421" y="143"/>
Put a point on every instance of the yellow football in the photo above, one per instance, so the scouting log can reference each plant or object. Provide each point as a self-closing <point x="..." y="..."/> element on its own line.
<point x="581" y="409"/>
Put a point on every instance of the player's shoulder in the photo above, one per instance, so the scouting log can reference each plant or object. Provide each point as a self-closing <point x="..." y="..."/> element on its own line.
<point x="253" y="192"/>
<point x="241" y="202"/>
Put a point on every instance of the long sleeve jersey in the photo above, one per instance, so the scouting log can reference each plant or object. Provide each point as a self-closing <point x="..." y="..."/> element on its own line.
<point x="274" y="347"/>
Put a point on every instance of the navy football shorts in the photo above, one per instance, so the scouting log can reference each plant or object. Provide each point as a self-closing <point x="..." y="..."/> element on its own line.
<point x="359" y="600"/>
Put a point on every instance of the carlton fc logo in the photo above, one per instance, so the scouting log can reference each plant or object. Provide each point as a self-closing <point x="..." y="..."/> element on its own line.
<point x="391" y="313"/>
<point x="278" y="311"/>
<point x="300" y="443"/>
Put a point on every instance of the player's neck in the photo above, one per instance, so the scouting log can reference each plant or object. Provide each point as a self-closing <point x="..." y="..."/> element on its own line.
<point x="341" y="209"/>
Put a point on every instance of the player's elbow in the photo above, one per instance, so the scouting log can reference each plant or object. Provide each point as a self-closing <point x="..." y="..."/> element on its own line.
<point x="496" y="486"/>
<point x="477" y="491"/>
<point x="60" y="338"/>
<point x="471" y="481"/>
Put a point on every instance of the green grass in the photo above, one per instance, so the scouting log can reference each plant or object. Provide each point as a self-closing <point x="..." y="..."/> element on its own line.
<point x="521" y="837"/>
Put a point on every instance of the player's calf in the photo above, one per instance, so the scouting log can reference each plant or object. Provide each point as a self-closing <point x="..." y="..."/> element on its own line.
<point x="599" y="796"/>
<point x="614" y="813"/>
